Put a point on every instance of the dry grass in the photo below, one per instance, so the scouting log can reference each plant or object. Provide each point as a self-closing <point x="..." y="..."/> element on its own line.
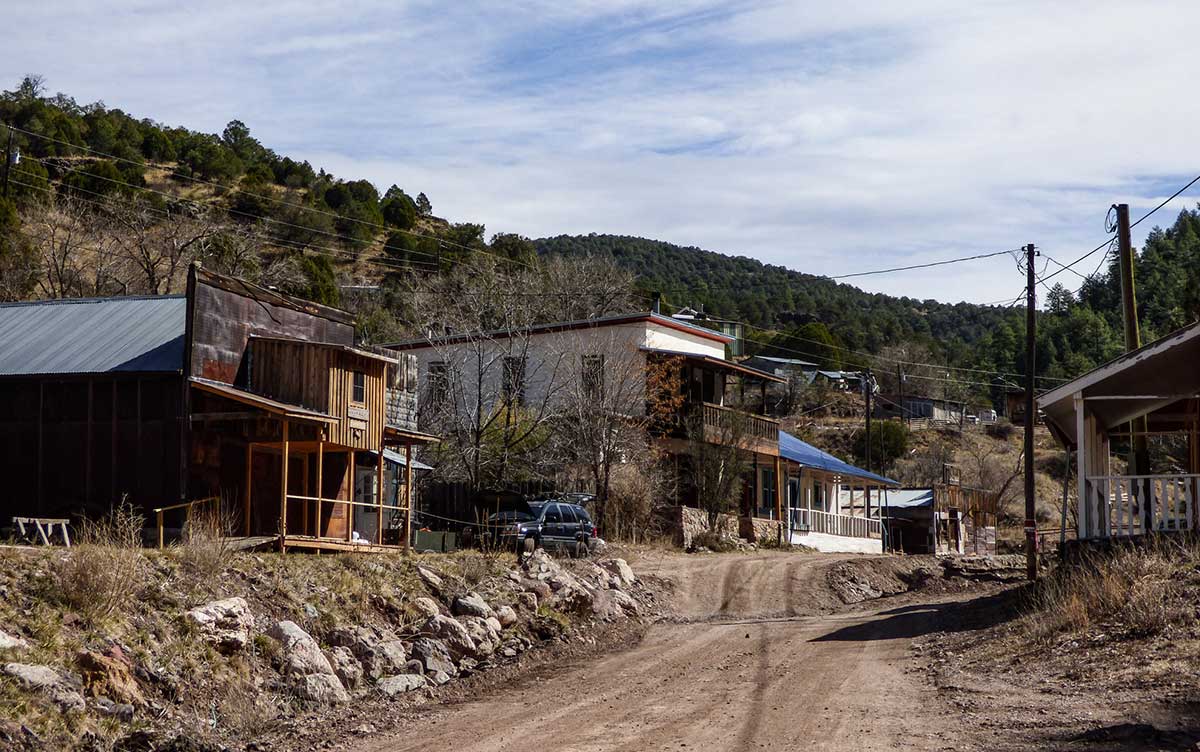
<point x="1135" y="591"/>
<point x="99" y="576"/>
<point x="205" y="551"/>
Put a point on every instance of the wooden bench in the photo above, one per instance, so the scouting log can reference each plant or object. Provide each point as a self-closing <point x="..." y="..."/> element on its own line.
<point x="44" y="527"/>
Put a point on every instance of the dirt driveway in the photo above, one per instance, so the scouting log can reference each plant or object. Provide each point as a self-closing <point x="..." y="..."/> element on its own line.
<point x="754" y="661"/>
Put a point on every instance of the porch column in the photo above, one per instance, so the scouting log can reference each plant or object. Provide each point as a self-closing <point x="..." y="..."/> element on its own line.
<point x="249" y="479"/>
<point x="406" y="534"/>
<point x="779" y="487"/>
<point x="320" y="483"/>
<point x="350" y="498"/>
<point x="283" y="489"/>
<point x="379" y="496"/>
<point x="1082" y="521"/>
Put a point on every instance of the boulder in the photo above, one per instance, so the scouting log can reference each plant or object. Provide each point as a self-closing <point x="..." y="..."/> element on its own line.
<point x="109" y="676"/>
<point x="225" y="623"/>
<point x="433" y="656"/>
<point x="451" y="632"/>
<point x="302" y="655"/>
<point x="426" y="607"/>
<point x="12" y="642"/>
<point x="324" y="689"/>
<point x="494" y="623"/>
<point x="528" y="600"/>
<point x="506" y="616"/>
<point x="398" y="685"/>
<point x="614" y="604"/>
<point x="61" y="689"/>
<point x="431" y="580"/>
<point x="471" y="604"/>
<point x="485" y="638"/>
<point x="379" y="656"/>
<point x="122" y="711"/>
<point x="439" y="677"/>
<point x="347" y="668"/>
<point x="621" y="569"/>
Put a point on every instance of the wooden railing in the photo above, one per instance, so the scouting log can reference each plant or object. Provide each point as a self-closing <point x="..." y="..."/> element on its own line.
<point x="188" y="505"/>
<point x="1128" y="505"/>
<point x="816" y="521"/>
<point x="721" y="422"/>
<point x="348" y="505"/>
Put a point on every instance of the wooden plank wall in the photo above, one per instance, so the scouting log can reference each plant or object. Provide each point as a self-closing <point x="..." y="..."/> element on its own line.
<point x="366" y="434"/>
<point x="291" y="372"/>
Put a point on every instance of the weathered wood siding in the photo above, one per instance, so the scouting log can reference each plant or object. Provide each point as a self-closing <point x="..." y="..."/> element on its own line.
<point x="291" y="372"/>
<point x="360" y="424"/>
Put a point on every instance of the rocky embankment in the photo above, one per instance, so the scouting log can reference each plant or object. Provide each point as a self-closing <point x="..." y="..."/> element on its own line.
<point x="314" y="656"/>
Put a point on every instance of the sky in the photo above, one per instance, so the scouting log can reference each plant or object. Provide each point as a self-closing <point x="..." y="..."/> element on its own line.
<point x="830" y="138"/>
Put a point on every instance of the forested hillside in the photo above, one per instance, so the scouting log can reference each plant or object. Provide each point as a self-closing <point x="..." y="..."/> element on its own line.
<point x="105" y="203"/>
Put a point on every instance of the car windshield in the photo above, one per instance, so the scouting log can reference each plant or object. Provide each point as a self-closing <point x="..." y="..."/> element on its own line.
<point x="536" y="507"/>
<point x="511" y="515"/>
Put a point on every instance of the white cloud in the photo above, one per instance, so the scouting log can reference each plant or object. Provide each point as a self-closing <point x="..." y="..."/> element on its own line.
<point x="828" y="139"/>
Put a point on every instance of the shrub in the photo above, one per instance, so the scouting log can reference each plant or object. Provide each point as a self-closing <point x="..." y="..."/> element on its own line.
<point x="99" y="575"/>
<point x="1002" y="430"/>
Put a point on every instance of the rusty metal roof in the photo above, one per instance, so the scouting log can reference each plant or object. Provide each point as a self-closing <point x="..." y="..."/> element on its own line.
<point x="93" y="335"/>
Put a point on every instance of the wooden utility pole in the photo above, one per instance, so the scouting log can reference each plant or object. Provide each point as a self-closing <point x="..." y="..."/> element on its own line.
<point x="8" y="160"/>
<point x="867" y="389"/>
<point x="1139" y="454"/>
<point x="900" y="384"/>
<point x="1031" y="563"/>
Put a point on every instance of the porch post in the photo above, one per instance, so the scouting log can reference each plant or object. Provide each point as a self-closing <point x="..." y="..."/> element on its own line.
<point x="1082" y="518"/>
<point x="779" y="486"/>
<point x="350" y="459"/>
<point x="249" y="479"/>
<point x="406" y="534"/>
<point x="283" y="490"/>
<point x="379" y="496"/>
<point x="320" y="483"/>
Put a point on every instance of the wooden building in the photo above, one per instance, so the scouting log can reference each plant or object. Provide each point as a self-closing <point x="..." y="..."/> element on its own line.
<point x="230" y="395"/>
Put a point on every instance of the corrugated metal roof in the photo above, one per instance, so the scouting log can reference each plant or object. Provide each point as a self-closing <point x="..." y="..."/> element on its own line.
<point x="93" y="335"/>
<point x="807" y="455"/>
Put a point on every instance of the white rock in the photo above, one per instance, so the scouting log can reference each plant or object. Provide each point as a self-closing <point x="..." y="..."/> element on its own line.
<point x="322" y="688"/>
<point x="426" y="607"/>
<point x="12" y="642"/>
<point x="302" y="654"/>
<point x="345" y="665"/>
<point x="397" y="685"/>
<point x="506" y="616"/>
<point x="472" y="604"/>
<point x="225" y="623"/>
<point x="621" y="569"/>
<point x="48" y="681"/>
<point x="452" y="633"/>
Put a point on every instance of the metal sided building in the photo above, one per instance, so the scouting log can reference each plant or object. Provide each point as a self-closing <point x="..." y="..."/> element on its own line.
<point x="231" y="394"/>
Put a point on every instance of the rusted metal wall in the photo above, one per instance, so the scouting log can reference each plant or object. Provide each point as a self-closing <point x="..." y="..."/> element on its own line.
<point x="225" y="313"/>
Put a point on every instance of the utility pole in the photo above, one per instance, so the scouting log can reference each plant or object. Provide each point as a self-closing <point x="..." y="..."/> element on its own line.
<point x="900" y="383"/>
<point x="867" y="389"/>
<point x="1031" y="563"/>
<point x="1139" y="454"/>
<point x="8" y="160"/>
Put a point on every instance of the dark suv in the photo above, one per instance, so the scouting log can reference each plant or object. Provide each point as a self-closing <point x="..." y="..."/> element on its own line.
<point x="553" y="525"/>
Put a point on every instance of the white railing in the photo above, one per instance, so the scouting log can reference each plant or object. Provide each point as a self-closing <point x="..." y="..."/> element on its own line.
<point x="1127" y="505"/>
<point x="816" y="521"/>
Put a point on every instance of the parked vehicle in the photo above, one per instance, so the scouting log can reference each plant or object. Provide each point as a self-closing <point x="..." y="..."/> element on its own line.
<point x="553" y="525"/>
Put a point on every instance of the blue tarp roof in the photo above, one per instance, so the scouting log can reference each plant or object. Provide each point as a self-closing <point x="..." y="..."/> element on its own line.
<point x="807" y="455"/>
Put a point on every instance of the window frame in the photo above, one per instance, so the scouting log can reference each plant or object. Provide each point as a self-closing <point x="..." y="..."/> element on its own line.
<point x="358" y="385"/>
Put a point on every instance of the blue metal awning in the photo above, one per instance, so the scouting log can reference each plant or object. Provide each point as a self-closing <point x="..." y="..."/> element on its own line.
<point x="807" y="455"/>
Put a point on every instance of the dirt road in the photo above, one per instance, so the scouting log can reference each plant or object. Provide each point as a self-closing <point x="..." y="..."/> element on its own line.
<point x="755" y="661"/>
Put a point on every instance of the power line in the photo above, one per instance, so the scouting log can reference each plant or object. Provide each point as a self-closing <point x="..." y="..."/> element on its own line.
<point x="919" y="266"/>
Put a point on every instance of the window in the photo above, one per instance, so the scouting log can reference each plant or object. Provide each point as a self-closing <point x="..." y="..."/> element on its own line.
<point x="513" y="383"/>
<point x="439" y="384"/>
<point x="767" y="495"/>
<point x="568" y="513"/>
<point x="359" y="391"/>
<point x="593" y="377"/>
<point x="552" y="515"/>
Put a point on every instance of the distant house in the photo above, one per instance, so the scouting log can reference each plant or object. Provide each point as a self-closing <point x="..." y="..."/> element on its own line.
<point x="936" y="410"/>
<point x="845" y="381"/>
<point x="945" y="518"/>
<point x="230" y="392"/>
<point x="784" y="367"/>
<point x="1159" y="384"/>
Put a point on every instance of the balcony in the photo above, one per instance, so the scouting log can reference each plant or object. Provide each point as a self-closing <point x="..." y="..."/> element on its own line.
<point x="816" y="521"/>
<point x="725" y="424"/>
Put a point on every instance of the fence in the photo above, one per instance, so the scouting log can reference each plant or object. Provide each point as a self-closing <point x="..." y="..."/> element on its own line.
<point x="816" y="521"/>
<point x="1127" y="505"/>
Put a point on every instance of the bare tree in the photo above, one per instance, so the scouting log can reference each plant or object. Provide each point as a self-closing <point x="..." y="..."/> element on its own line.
<point x="718" y="456"/>
<point x="74" y="253"/>
<point x="160" y="241"/>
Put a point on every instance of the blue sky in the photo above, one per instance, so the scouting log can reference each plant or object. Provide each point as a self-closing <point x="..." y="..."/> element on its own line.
<point x="827" y="139"/>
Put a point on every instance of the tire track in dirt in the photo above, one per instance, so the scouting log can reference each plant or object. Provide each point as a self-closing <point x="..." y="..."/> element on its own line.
<point x="753" y="665"/>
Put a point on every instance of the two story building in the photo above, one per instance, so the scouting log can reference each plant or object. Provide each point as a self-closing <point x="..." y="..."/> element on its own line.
<point x="230" y="395"/>
<point x="537" y="366"/>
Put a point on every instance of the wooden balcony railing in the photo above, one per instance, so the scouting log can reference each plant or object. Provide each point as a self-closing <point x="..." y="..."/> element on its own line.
<point x="1122" y="505"/>
<point x="816" y="521"/>
<point x="722" y="424"/>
